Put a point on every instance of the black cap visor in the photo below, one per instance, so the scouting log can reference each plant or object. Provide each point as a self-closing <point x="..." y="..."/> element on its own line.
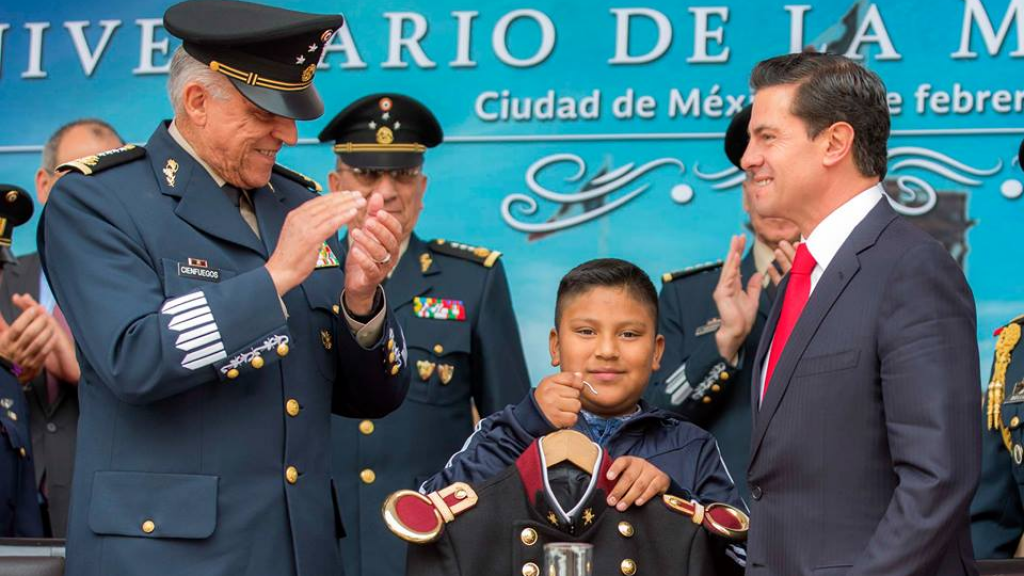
<point x="382" y="160"/>
<point x="302" y="104"/>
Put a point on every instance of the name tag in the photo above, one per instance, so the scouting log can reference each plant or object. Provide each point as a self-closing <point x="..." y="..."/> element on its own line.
<point x="198" y="273"/>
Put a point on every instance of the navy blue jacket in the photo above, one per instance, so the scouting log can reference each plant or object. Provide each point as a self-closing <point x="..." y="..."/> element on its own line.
<point x="204" y="444"/>
<point x="477" y="360"/>
<point x="19" y="504"/>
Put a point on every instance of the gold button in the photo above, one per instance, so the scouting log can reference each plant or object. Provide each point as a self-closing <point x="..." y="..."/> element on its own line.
<point x="626" y="529"/>
<point x="461" y="495"/>
<point x="366" y="427"/>
<point x="282" y="350"/>
<point x="706" y="400"/>
<point x="292" y="406"/>
<point x="257" y="362"/>
<point x="336" y="308"/>
<point x="367" y="476"/>
<point x="723" y="376"/>
<point x="716" y="388"/>
<point x="1014" y="422"/>
<point x="291" y="474"/>
<point x="23" y="452"/>
<point x="395" y="369"/>
<point x="628" y="567"/>
<point x="391" y="344"/>
<point x="528" y="536"/>
<point x="438" y="349"/>
<point x="148" y="526"/>
<point x="12" y="415"/>
<point x="391" y="357"/>
<point x="233" y="373"/>
<point x="530" y="569"/>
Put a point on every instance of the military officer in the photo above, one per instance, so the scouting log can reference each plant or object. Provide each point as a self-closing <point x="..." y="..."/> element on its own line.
<point x="453" y="303"/>
<point x="501" y="525"/>
<point x="19" y="505"/>
<point x="997" y="512"/>
<point x="215" y="327"/>
<point x="703" y="375"/>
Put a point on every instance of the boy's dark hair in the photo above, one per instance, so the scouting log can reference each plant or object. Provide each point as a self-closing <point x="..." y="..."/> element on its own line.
<point x="607" y="273"/>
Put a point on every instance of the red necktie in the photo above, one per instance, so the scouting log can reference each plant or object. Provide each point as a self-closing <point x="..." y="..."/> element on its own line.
<point x="797" y="291"/>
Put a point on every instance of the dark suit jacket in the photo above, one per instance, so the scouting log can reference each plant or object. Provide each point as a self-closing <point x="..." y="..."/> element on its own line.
<point x="54" y="426"/>
<point x="865" y="451"/>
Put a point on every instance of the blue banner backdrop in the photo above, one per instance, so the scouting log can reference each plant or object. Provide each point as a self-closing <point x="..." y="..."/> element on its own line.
<point x="585" y="129"/>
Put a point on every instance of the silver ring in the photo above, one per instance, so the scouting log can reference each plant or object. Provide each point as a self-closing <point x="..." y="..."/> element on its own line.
<point x="385" y="260"/>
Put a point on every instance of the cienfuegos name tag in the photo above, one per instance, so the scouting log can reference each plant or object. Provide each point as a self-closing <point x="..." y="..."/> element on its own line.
<point x="198" y="269"/>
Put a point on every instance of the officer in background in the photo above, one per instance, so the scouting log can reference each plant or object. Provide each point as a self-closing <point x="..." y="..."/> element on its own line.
<point x="215" y="328"/>
<point x="19" y="506"/>
<point x="997" y="512"/>
<point x="453" y="303"/>
<point x="705" y="377"/>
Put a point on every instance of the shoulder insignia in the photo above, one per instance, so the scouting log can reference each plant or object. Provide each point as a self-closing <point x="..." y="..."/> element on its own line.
<point x="297" y="177"/>
<point x="90" y="165"/>
<point x="719" y="519"/>
<point x="478" y="254"/>
<point x="690" y="271"/>
<point x="1009" y="336"/>
<point x="419" y="518"/>
<point x="1017" y="320"/>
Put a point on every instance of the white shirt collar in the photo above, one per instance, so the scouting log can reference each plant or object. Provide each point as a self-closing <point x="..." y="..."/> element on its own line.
<point x="831" y="233"/>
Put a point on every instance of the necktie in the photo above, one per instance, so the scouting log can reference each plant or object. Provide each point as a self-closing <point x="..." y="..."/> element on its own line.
<point x="241" y="199"/>
<point x="797" y="291"/>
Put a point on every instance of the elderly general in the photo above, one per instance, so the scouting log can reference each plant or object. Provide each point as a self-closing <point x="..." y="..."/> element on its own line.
<point x="216" y="331"/>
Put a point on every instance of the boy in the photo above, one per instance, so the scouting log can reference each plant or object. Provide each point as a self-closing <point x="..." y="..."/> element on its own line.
<point x="605" y="341"/>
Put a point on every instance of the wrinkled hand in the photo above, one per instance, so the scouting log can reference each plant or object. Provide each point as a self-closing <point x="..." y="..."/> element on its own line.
<point x="373" y="255"/>
<point x="784" y="256"/>
<point x="558" y="397"/>
<point x="737" y="307"/>
<point x="639" y="481"/>
<point x="61" y="361"/>
<point x="29" y="340"/>
<point x="304" y="232"/>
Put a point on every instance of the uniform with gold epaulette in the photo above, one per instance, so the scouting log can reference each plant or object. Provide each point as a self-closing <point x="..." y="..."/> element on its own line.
<point x="206" y="400"/>
<point x="997" y="512"/>
<point x="453" y="303"/>
<point x="501" y="525"/>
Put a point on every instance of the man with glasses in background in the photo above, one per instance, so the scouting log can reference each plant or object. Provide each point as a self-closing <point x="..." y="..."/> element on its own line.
<point x="453" y="303"/>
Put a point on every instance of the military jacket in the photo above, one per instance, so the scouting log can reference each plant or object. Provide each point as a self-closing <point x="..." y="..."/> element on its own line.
<point x="205" y="404"/>
<point x="19" y="504"/>
<point x="454" y="306"/>
<point x="997" y="511"/>
<point x="694" y="381"/>
<point x="509" y="519"/>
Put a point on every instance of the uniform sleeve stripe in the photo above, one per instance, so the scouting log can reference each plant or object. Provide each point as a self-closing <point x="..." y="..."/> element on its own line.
<point x="677" y="379"/>
<point x="186" y="306"/>
<point x="178" y="326"/>
<point x="205" y="361"/>
<point x="181" y="318"/>
<point x="185" y="337"/>
<point x="197" y="342"/>
<point x="181" y="300"/>
<point x="192" y="357"/>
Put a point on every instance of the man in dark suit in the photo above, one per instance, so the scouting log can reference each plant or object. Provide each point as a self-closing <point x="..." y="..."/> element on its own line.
<point x="215" y="328"/>
<point x="53" y="393"/>
<point x="865" y="445"/>
<point x="705" y="372"/>
<point x="454" y="306"/>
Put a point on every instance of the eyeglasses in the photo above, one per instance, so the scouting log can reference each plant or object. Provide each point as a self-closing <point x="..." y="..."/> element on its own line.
<point x="369" y="176"/>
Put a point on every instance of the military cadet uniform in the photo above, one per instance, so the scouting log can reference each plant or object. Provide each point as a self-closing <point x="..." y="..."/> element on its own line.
<point x="455" y="309"/>
<point x="19" y="503"/>
<point x="694" y="380"/>
<point x="206" y="398"/>
<point x="500" y="526"/>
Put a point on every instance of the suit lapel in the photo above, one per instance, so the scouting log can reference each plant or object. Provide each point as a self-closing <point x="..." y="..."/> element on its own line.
<point x="201" y="202"/>
<point x="833" y="282"/>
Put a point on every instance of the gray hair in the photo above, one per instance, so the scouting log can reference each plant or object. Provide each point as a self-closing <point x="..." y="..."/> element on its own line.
<point x="186" y="69"/>
<point x="99" y="129"/>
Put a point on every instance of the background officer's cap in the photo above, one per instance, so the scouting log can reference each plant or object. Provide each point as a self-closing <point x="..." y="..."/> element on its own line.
<point x="270" y="54"/>
<point x="15" y="209"/>
<point x="736" y="137"/>
<point x="383" y="131"/>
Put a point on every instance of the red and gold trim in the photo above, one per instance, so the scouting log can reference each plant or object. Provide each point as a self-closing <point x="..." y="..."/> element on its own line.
<point x="420" y="519"/>
<point x="721" y="519"/>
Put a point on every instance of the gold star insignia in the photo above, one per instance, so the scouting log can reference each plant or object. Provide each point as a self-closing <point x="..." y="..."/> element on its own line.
<point x="588" y="516"/>
<point x="552" y="518"/>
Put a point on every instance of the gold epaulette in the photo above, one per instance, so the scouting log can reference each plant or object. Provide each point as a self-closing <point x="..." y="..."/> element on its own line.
<point x="720" y="519"/>
<point x="90" y="165"/>
<point x="421" y="519"/>
<point x="477" y="254"/>
<point x="1009" y="336"/>
<point x="298" y="177"/>
<point x="690" y="271"/>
